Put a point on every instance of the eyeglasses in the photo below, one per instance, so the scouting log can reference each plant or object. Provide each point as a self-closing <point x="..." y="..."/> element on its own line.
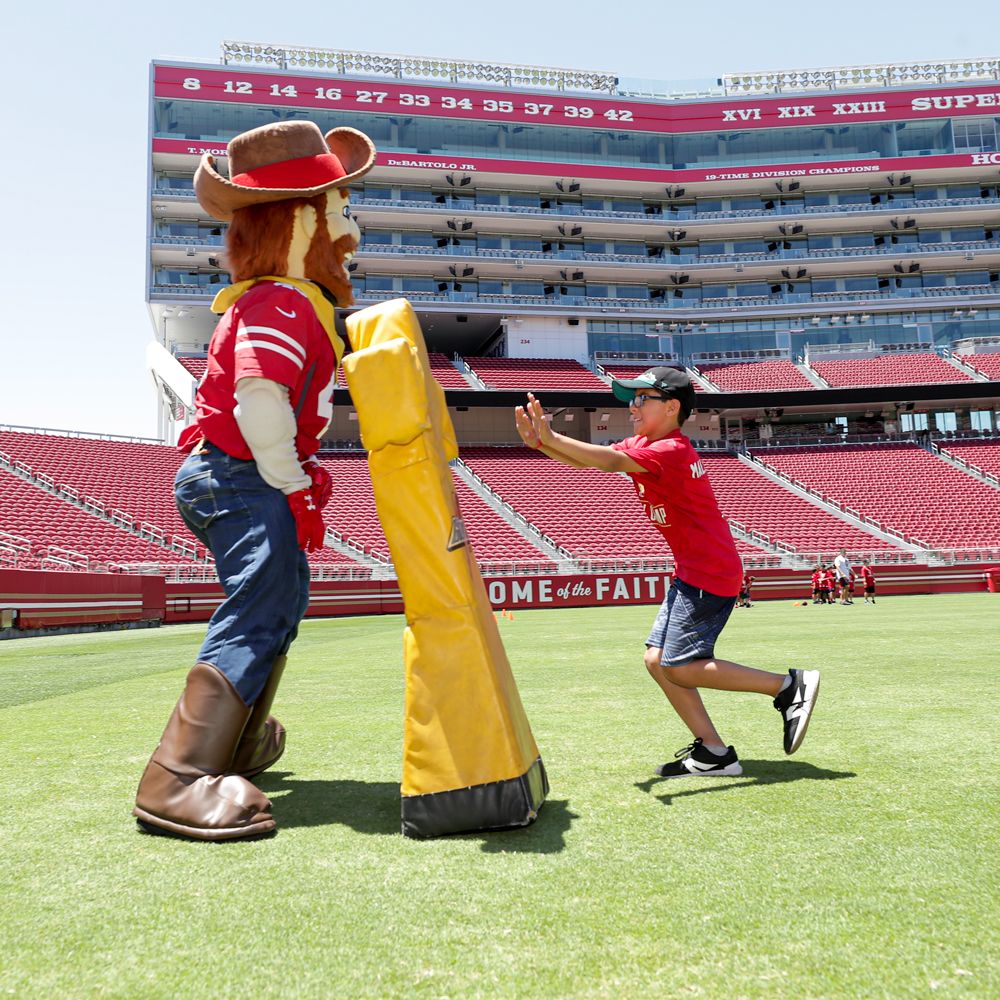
<point x="640" y="401"/>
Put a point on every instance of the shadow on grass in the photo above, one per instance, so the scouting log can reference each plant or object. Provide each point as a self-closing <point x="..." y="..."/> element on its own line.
<point x="364" y="806"/>
<point x="373" y="807"/>
<point x="762" y="772"/>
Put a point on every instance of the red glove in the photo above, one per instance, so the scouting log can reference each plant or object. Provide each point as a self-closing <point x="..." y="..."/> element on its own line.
<point x="322" y="482"/>
<point x="309" y="525"/>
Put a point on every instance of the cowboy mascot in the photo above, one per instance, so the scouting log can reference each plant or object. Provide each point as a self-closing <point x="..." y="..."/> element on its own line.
<point x="250" y="488"/>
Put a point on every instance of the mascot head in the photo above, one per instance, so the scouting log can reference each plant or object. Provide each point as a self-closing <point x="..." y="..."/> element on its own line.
<point x="286" y="202"/>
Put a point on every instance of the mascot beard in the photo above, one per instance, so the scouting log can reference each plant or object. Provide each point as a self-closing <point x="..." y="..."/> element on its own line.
<point x="260" y="236"/>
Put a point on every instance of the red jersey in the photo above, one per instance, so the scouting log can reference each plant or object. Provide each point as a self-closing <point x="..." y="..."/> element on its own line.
<point x="270" y="331"/>
<point x="828" y="580"/>
<point x="678" y="498"/>
<point x="817" y="575"/>
<point x="747" y="581"/>
<point x="868" y="576"/>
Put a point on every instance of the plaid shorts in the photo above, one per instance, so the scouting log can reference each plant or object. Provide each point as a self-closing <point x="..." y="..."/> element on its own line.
<point x="688" y="623"/>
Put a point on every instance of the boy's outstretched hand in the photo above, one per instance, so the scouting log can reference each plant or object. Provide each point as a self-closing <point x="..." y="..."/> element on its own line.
<point x="531" y="424"/>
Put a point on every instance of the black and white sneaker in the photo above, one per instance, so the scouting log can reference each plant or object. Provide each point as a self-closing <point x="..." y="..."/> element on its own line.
<point x="795" y="704"/>
<point x="698" y="761"/>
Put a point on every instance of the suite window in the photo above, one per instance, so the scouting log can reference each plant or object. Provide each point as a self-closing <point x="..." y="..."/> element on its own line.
<point x="418" y="240"/>
<point x="857" y="240"/>
<point x="415" y="284"/>
<point x="754" y="288"/>
<point x="981" y="420"/>
<point x="866" y="284"/>
<point x="631" y="292"/>
<point x="744" y="204"/>
<point x="818" y="200"/>
<point x="972" y="278"/>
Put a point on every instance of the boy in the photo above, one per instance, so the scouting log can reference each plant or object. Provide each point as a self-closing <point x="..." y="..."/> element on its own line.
<point x="816" y="574"/>
<point x="671" y="484"/>
<point x="868" y="578"/>
<point x="744" y="598"/>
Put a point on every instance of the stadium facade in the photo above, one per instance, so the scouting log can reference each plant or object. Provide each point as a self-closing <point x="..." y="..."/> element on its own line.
<point x="544" y="213"/>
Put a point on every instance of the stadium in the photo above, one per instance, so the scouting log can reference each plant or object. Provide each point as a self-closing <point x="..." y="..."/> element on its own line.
<point x="819" y="249"/>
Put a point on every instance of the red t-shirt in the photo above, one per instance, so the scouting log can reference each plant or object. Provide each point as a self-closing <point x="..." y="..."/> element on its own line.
<point x="817" y="575"/>
<point x="829" y="579"/>
<point x="677" y="497"/>
<point x="868" y="576"/>
<point x="272" y="332"/>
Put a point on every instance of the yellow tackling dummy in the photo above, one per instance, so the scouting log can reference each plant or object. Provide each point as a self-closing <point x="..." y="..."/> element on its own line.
<point x="469" y="759"/>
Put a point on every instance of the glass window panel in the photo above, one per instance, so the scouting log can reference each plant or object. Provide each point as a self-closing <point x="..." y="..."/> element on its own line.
<point x="972" y="278"/>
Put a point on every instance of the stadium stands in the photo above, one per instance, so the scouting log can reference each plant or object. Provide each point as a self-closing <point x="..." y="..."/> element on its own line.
<point x="536" y="374"/>
<point x="902" y="486"/>
<point x="446" y="374"/>
<point x="621" y="370"/>
<point x="127" y="476"/>
<point x="755" y="376"/>
<point x="888" y="369"/>
<point x="493" y="539"/>
<point x="985" y="364"/>
<point x="195" y="365"/>
<point x="45" y="521"/>
<point x="762" y="505"/>
<point x="983" y="455"/>
<point x="592" y="514"/>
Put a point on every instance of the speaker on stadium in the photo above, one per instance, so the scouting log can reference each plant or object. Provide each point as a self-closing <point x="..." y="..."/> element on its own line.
<point x="573" y="321"/>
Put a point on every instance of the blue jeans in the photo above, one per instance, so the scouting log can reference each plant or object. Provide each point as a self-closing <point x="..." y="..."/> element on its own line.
<point x="249" y="529"/>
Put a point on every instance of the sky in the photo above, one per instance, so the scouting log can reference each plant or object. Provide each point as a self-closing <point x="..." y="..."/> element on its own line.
<point x="73" y="159"/>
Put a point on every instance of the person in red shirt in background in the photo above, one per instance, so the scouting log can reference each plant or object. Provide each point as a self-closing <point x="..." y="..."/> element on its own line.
<point x="744" y="598"/>
<point x="868" y="579"/>
<point x="671" y="484"/>
<point x="830" y="585"/>
<point x="817" y="574"/>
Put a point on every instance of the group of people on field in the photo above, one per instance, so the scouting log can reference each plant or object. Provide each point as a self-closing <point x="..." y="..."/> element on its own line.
<point x="836" y="581"/>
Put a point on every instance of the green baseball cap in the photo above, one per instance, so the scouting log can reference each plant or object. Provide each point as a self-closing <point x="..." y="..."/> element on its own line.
<point x="672" y="382"/>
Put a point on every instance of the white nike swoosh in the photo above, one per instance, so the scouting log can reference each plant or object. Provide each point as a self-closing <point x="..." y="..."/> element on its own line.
<point x="290" y="315"/>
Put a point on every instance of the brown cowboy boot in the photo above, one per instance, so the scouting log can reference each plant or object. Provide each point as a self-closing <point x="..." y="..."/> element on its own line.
<point x="185" y="789"/>
<point x="263" y="740"/>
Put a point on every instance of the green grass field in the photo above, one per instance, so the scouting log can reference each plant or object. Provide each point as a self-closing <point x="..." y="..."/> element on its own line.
<point x="864" y="866"/>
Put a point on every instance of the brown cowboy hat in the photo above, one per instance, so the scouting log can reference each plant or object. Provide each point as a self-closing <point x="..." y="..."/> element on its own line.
<point x="282" y="160"/>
